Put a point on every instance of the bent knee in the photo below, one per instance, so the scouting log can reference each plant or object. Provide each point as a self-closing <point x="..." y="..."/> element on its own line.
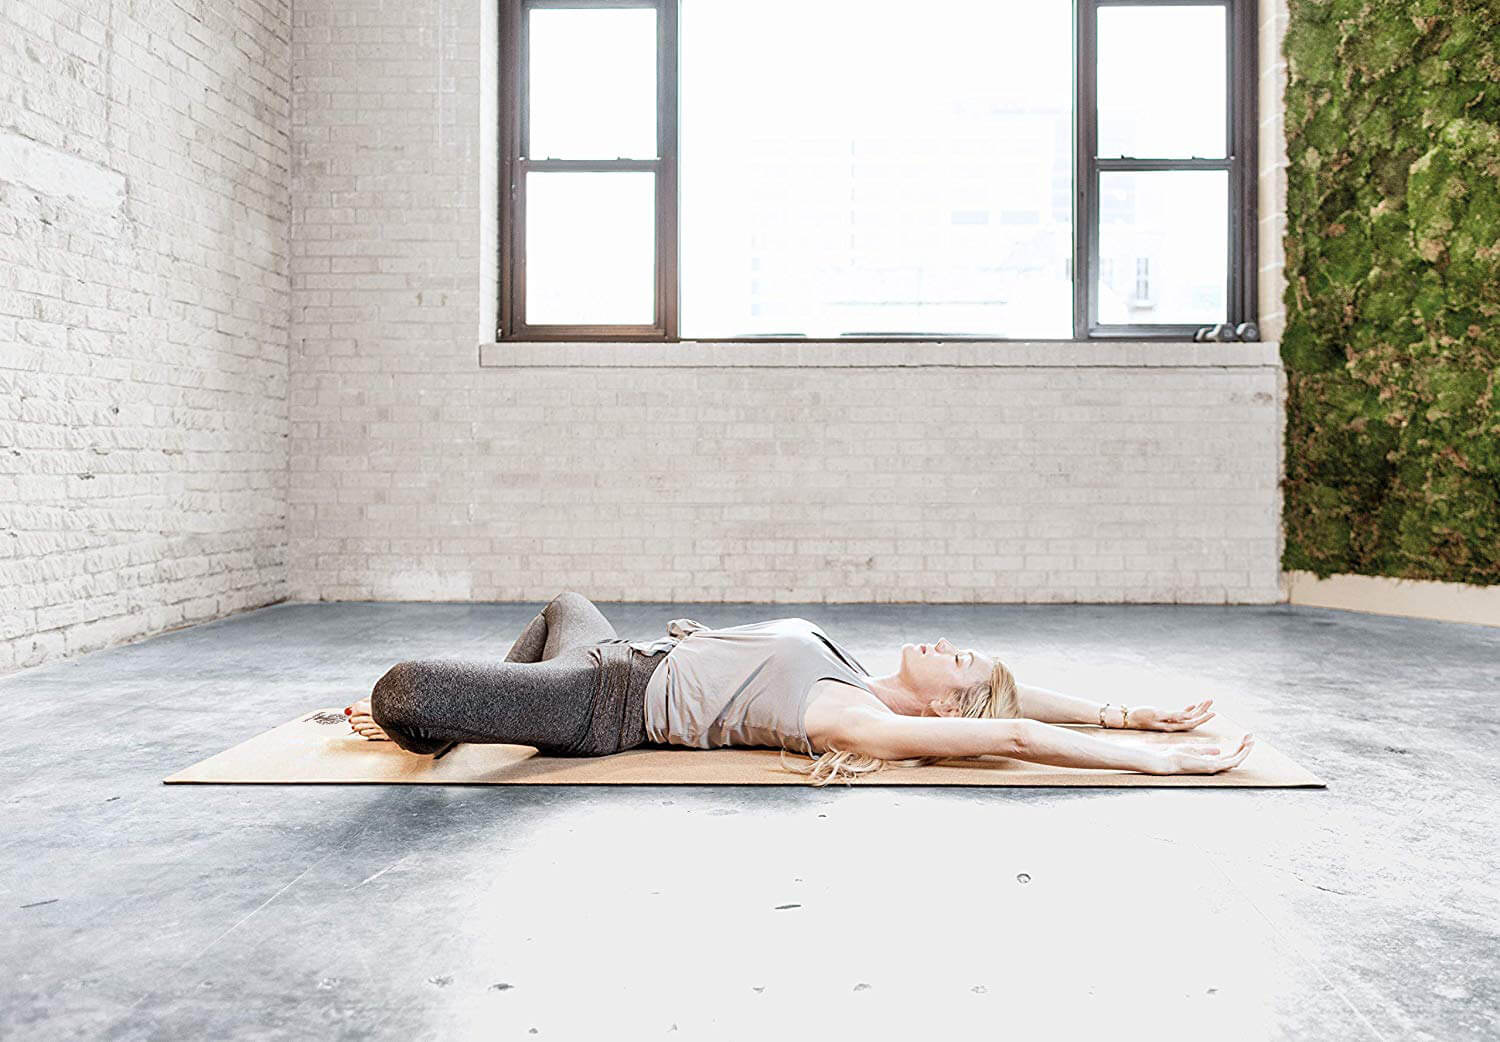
<point x="395" y="694"/>
<point x="569" y="597"/>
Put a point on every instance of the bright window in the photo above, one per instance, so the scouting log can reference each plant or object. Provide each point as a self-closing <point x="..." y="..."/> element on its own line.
<point x="712" y="169"/>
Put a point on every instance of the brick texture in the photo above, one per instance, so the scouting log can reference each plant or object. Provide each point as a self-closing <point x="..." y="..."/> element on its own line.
<point x="416" y="474"/>
<point x="144" y="295"/>
<point x="1271" y="183"/>
<point x="247" y="264"/>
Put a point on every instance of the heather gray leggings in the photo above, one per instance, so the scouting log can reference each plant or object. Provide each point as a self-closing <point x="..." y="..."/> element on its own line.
<point x="541" y="694"/>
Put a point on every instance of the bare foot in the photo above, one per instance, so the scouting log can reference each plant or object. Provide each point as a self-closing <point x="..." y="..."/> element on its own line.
<point x="363" y="723"/>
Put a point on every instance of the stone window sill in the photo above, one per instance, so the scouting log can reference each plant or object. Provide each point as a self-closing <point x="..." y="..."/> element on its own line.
<point x="517" y="354"/>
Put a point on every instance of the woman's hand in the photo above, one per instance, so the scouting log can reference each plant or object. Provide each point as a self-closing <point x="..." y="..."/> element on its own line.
<point x="1149" y="718"/>
<point x="1198" y="757"/>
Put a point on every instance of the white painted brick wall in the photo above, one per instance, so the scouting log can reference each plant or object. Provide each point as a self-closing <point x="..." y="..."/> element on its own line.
<point x="1003" y="483"/>
<point x="239" y="237"/>
<point x="1271" y="204"/>
<point x="1271" y="183"/>
<point x="417" y="473"/>
<point x="144" y="179"/>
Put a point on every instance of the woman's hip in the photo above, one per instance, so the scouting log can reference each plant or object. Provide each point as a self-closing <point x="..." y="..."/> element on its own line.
<point x="617" y="717"/>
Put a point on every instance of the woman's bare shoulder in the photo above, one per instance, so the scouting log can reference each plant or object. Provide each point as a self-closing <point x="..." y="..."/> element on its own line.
<point x="830" y="705"/>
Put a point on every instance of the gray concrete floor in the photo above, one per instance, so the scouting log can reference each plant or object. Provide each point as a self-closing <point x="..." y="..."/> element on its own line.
<point x="133" y="910"/>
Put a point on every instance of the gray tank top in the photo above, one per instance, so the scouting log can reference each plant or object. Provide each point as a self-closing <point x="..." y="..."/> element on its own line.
<point x="744" y="685"/>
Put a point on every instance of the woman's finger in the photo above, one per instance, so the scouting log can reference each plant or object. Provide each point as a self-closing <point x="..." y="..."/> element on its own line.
<point x="1188" y="725"/>
<point x="1188" y="712"/>
<point x="1198" y="720"/>
<point x="1216" y="761"/>
<point x="1224" y="762"/>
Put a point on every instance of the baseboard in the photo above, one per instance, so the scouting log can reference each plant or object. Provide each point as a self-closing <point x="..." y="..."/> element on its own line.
<point x="1380" y="595"/>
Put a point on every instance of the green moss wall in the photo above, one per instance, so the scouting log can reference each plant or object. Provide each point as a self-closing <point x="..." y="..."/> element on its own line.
<point x="1392" y="341"/>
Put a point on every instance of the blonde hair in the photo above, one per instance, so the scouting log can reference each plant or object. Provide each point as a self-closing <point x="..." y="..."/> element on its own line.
<point x="990" y="698"/>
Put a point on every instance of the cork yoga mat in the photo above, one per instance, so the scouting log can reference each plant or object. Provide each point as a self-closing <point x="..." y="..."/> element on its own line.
<point x="319" y="748"/>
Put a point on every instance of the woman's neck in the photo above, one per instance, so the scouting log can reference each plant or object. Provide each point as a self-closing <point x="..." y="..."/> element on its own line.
<point x="892" y="690"/>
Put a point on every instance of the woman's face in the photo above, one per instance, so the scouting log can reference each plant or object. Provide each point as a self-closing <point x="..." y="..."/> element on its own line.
<point x="936" y="669"/>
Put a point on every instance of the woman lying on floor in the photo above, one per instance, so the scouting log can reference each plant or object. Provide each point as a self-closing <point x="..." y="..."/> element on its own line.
<point x="570" y="687"/>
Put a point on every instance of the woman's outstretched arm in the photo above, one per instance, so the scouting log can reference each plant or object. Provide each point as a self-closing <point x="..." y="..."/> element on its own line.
<point x="1054" y="707"/>
<point x="892" y="736"/>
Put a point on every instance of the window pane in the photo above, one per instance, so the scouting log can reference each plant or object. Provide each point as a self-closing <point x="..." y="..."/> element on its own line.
<point x="898" y="173"/>
<point x="1163" y="247"/>
<point x="593" y="84"/>
<point x="1162" y="82"/>
<point x="590" y="248"/>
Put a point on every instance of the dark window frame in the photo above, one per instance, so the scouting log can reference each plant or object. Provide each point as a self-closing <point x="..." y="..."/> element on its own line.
<point x="1240" y="163"/>
<point x="514" y="165"/>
